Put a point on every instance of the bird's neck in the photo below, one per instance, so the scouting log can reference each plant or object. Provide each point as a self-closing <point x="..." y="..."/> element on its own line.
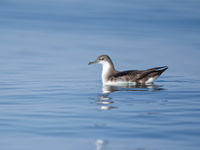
<point x="107" y="70"/>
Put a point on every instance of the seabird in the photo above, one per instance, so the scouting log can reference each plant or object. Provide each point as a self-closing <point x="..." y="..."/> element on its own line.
<point x="110" y="76"/>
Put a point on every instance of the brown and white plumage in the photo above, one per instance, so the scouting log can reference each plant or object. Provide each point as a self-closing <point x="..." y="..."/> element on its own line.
<point x="111" y="76"/>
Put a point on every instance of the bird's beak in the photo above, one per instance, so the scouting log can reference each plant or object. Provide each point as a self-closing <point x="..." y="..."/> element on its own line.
<point x="92" y="62"/>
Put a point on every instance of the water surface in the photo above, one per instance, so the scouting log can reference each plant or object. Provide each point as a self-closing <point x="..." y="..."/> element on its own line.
<point x="51" y="99"/>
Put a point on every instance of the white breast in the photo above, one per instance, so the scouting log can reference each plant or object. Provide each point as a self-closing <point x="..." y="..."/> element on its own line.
<point x="105" y="71"/>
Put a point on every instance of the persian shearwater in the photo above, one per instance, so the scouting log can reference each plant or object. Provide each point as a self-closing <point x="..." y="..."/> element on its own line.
<point x="110" y="76"/>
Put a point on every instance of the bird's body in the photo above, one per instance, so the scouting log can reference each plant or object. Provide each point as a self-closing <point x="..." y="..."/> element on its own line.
<point x="110" y="76"/>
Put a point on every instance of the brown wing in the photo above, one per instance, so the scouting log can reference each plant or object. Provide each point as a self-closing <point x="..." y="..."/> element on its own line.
<point x="151" y="73"/>
<point x="157" y="71"/>
<point x="129" y="75"/>
<point x="139" y="76"/>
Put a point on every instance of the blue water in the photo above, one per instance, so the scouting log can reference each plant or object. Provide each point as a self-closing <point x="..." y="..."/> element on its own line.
<point x="51" y="99"/>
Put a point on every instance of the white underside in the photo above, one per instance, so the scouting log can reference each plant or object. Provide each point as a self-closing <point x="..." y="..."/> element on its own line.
<point x="151" y="80"/>
<point x="120" y="83"/>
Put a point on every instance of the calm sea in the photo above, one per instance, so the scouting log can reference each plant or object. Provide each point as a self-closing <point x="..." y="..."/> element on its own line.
<point x="51" y="99"/>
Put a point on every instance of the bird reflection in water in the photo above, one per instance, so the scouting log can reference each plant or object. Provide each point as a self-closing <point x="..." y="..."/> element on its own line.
<point x="106" y="102"/>
<point x="148" y="88"/>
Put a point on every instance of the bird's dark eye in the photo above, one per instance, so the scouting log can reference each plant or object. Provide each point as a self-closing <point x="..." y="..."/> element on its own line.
<point x="102" y="58"/>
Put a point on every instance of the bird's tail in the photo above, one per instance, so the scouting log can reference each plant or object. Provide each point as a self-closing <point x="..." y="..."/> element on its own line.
<point x="159" y="70"/>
